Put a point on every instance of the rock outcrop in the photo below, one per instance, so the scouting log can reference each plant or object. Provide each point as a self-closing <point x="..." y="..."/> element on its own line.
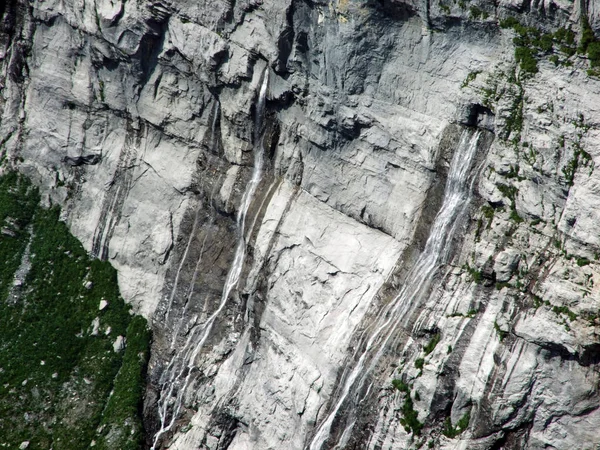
<point x="143" y="121"/>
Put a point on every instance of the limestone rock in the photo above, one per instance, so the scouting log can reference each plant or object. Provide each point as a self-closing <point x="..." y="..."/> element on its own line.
<point x="142" y="121"/>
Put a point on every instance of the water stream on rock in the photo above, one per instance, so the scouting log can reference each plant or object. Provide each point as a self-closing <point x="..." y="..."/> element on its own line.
<point x="437" y="251"/>
<point x="178" y="374"/>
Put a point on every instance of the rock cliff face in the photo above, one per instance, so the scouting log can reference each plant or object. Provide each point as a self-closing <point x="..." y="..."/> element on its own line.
<point x="269" y="177"/>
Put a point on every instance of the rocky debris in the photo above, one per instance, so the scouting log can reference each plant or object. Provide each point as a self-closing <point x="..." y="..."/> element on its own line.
<point x="506" y="264"/>
<point x="119" y="344"/>
<point x="7" y="232"/>
<point x="95" y="327"/>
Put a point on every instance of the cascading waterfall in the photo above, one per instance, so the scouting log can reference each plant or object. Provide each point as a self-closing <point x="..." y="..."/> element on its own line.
<point x="213" y="128"/>
<point x="213" y="137"/>
<point x="396" y="314"/>
<point x="178" y="374"/>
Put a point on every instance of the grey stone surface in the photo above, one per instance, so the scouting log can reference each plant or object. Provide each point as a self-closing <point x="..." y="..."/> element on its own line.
<point x="139" y="120"/>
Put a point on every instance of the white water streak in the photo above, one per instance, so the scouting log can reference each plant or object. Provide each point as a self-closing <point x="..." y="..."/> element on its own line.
<point x="178" y="374"/>
<point x="181" y="263"/>
<point x="457" y="197"/>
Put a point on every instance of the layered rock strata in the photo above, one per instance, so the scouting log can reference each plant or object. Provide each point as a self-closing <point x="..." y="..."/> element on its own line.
<point x="140" y="120"/>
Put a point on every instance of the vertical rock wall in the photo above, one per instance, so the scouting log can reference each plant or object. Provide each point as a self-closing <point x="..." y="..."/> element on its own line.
<point x="139" y="119"/>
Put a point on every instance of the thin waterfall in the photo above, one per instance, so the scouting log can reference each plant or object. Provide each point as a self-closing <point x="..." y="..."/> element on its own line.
<point x="213" y="137"/>
<point x="177" y="376"/>
<point x="213" y="128"/>
<point x="396" y="314"/>
<point x="181" y="263"/>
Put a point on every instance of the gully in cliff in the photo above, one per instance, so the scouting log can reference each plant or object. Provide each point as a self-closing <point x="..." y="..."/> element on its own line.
<point x="355" y="383"/>
<point x="177" y="377"/>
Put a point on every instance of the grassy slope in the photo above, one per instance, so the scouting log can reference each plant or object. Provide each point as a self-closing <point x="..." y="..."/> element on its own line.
<point x="56" y="375"/>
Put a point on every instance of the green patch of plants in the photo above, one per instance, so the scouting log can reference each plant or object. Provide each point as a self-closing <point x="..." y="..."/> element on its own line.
<point x="56" y="346"/>
<point x="462" y="424"/>
<point x="531" y="44"/>
<point x="514" y="172"/>
<point x="121" y="419"/>
<point x="514" y="121"/>
<point x="18" y="201"/>
<point x="419" y="363"/>
<point x="589" y="45"/>
<point x="477" y="13"/>
<point x="564" y="310"/>
<point x="583" y="262"/>
<point x="479" y="229"/>
<point x="470" y="77"/>
<point x="434" y="341"/>
<point x="400" y="385"/>
<point x="509" y="191"/>
<point x="476" y="275"/>
<point x="488" y="212"/>
<point x="410" y="417"/>
<point x="525" y="56"/>
<point x="580" y="158"/>
<point x="536" y="221"/>
<point x="501" y="333"/>
<point x="501" y="285"/>
<point x="515" y="217"/>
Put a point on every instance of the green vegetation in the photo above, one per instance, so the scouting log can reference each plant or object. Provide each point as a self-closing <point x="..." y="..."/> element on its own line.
<point x="580" y="157"/>
<point x="590" y="45"/>
<point x="470" y="77"/>
<point x="419" y="363"/>
<point x="462" y="424"/>
<point x="57" y="361"/>
<point x="514" y="122"/>
<point x="531" y="44"/>
<point x="488" y="212"/>
<point x="514" y="171"/>
<point x="510" y="192"/>
<point x="515" y="217"/>
<point x="564" y="310"/>
<point x="501" y="333"/>
<point x="18" y="201"/>
<point x="400" y="385"/>
<point x="476" y="275"/>
<point x="121" y="418"/>
<point x="477" y="13"/>
<point x="410" y="417"/>
<point x="432" y="344"/>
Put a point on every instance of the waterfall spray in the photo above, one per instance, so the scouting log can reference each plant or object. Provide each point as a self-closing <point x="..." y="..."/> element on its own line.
<point x="177" y="376"/>
<point x="437" y="250"/>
